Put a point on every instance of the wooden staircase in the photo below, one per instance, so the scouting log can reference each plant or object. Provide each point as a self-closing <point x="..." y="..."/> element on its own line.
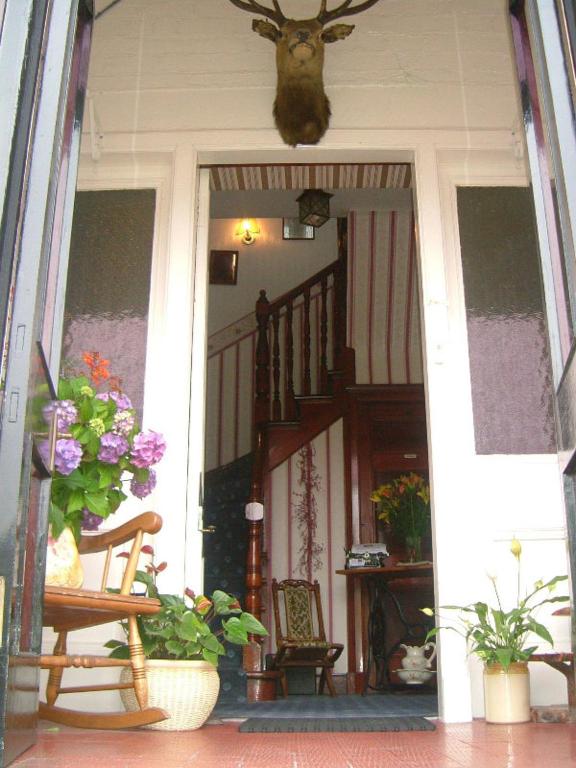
<point x="300" y="386"/>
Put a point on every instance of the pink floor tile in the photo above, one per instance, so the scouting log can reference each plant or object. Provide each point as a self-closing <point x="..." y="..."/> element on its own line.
<point x="470" y="745"/>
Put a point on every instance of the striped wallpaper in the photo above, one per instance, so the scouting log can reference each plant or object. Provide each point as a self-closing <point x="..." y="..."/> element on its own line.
<point x="286" y="543"/>
<point x="383" y="300"/>
<point x="228" y="178"/>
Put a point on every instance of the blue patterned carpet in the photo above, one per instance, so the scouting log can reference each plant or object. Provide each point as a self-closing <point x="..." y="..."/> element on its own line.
<point x="373" y="705"/>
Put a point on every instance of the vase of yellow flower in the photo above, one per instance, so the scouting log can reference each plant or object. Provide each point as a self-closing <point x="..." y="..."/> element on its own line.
<point x="404" y="505"/>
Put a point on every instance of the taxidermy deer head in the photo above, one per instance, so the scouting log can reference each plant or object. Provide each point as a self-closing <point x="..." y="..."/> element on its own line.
<point x="301" y="108"/>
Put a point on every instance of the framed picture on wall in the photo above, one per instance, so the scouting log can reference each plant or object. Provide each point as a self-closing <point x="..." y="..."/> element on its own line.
<point x="293" y="229"/>
<point x="223" y="267"/>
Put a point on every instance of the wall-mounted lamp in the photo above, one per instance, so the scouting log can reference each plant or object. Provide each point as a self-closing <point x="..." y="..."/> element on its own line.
<point x="314" y="207"/>
<point x="247" y="230"/>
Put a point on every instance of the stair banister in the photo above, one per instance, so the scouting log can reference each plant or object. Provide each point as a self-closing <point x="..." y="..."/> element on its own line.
<point x="276" y="402"/>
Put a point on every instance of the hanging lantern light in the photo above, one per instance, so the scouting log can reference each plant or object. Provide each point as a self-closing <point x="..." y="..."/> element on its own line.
<point x="314" y="207"/>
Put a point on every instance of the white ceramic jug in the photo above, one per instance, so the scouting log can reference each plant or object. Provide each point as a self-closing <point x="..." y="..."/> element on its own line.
<point x="416" y="656"/>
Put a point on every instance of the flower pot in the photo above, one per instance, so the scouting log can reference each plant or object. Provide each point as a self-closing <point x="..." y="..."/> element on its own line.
<point x="63" y="566"/>
<point x="187" y="690"/>
<point x="507" y="693"/>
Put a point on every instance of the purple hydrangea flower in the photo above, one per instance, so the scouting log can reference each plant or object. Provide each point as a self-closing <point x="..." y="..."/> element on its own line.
<point x="148" y="449"/>
<point x="141" y="490"/>
<point x="90" y="521"/>
<point x="68" y="456"/>
<point x="66" y="413"/>
<point x="123" y="402"/>
<point x="123" y="423"/>
<point x="112" y="447"/>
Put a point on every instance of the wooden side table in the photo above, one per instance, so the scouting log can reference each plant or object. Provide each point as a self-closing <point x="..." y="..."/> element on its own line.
<point x="379" y="583"/>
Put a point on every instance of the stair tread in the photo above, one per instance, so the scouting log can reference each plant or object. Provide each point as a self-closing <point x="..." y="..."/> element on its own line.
<point x="320" y="398"/>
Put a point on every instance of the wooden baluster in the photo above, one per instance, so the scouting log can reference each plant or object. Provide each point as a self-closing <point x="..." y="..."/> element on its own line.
<point x="262" y="402"/>
<point x="254" y="551"/>
<point x="290" y="402"/>
<point x="306" y="384"/>
<point x="276" y="404"/>
<point x="254" y="568"/>
<point x="324" y="337"/>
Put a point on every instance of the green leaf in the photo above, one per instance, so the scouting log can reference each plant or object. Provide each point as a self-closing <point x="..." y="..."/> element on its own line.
<point x="121" y="652"/>
<point x="114" y="644"/>
<point x="540" y="630"/>
<point x="176" y="649"/>
<point x="75" y="501"/>
<point x="210" y="656"/>
<point x="234" y="632"/>
<point x="212" y="643"/>
<point x="97" y="503"/>
<point x="504" y="656"/>
<point x="57" y="523"/>
<point x="252" y="625"/>
<point x="188" y="629"/>
<point x="221" y="601"/>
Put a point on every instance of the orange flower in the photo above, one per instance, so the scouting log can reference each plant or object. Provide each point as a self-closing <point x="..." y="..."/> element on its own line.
<point x="98" y="366"/>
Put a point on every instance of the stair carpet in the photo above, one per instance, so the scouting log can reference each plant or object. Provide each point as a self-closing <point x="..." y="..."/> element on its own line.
<point x="225" y="494"/>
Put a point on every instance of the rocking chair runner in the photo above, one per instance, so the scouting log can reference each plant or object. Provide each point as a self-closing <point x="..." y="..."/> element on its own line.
<point x="300" y="636"/>
<point x="67" y="609"/>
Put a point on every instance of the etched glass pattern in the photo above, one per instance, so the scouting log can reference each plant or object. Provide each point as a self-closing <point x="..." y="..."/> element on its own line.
<point x="108" y="290"/>
<point x="507" y="337"/>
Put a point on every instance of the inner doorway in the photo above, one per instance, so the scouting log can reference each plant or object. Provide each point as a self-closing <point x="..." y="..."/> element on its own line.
<point x="376" y="201"/>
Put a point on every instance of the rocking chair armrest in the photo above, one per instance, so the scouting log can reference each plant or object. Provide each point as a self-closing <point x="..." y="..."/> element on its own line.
<point x="147" y="522"/>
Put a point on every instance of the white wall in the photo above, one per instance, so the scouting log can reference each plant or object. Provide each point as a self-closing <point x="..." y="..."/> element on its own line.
<point x="271" y="263"/>
<point x="418" y="80"/>
<point x="181" y="65"/>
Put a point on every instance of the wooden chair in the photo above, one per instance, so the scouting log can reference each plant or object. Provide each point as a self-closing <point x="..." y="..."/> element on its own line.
<point x="67" y="609"/>
<point x="300" y="636"/>
<point x="564" y="663"/>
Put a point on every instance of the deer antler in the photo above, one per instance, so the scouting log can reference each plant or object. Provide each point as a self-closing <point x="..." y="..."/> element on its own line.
<point x="253" y="7"/>
<point x="343" y="9"/>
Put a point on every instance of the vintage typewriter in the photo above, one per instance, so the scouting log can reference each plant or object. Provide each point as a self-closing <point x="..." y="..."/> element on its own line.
<point x="366" y="556"/>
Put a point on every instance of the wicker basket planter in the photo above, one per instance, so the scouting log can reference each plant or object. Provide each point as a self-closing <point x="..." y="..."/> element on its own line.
<point x="187" y="690"/>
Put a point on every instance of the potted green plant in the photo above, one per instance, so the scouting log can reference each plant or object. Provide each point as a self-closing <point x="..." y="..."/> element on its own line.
<point x="182" y="644"/>
<point x="502" y="639"/>
<point x="100" y="449"/>
<point x="404" y="505"/>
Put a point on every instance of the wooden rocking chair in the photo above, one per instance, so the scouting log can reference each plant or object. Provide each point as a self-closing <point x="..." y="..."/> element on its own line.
<point x="67" y="609"/>
<point x="300" y="636"/>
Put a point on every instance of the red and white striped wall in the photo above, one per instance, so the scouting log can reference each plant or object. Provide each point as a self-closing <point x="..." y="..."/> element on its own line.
<point x="383" y="303"/>
<point x="305" y="525"/>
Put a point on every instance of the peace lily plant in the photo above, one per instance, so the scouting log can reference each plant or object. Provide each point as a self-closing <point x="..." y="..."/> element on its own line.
<point x="502" y="637"/>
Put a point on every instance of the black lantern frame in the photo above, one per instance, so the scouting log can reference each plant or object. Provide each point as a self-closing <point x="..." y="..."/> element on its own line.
<point x="314" y="207"/>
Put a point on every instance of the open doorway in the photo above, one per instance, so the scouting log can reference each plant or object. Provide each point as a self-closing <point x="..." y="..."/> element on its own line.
<point x="317" y="497"/>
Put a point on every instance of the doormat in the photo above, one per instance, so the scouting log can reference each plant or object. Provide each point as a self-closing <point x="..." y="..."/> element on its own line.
<point x="334" y="724"/>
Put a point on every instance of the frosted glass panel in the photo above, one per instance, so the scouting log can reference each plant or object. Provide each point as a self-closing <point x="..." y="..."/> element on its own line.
<point x="507" y="337"/>
<point x="108" y="288"/>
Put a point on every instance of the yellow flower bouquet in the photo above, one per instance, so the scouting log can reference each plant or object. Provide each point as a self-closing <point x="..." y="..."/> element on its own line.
<point x="404" y="503"/>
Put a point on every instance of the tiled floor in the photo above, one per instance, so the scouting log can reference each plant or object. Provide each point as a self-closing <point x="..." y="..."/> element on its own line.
<point x="470" y="745"/>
